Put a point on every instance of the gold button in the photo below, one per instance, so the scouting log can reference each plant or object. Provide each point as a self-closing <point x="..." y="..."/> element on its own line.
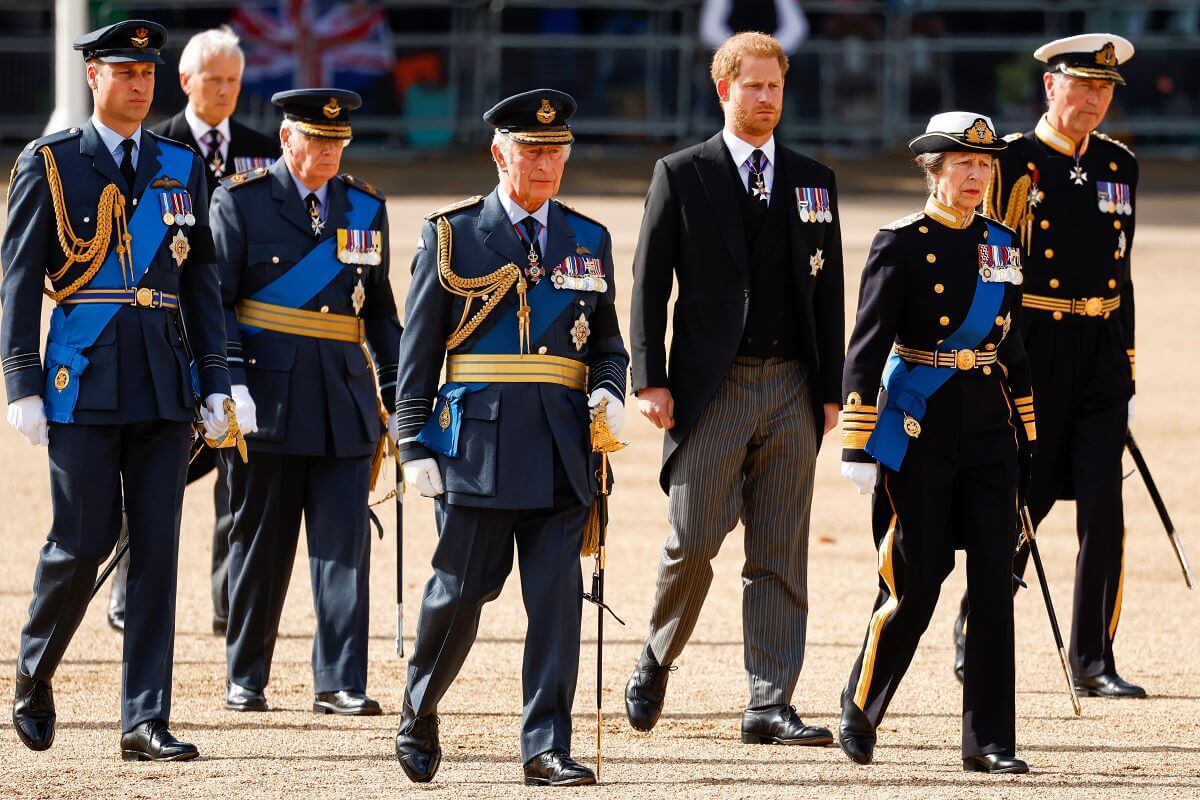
<point x="324" y="309"/>
<point x="1045" y="224"/>
<point x="989" y="346"/>
<point x="944" y="321"/>
<point x="1057" y="315"/>
<point x="1116" y="255"/>
<point x="135" y="201"/>
<point x="923" y="229"/>
<point x="1112" y="165"/>
<point x="252" y="361"/>
<point x="1030" y="165"/>
<point x="1049" y="253"/>
<point x="87" y="219"/>
<point x="1054" y="283"/>
<point x="987" y="370"/>
<point x="930" y="257"/>
<point x="999" y="320"/>
<point x="274" y="259"/>
<point x="358" y="271"/>
<point x="985" y="233"/>
<point x="1041" y="196"/>
<point x="542" y="350"/>
<point x="1117" y="224"/>
<point x="1112" y="283"/>
<point x="937" y="287"/>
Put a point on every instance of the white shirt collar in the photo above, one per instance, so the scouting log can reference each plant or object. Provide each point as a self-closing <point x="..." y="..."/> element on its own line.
<point x="740" y="149"/>
<point x="304" y="191"/>
<point x="516" y="213"/>
<point x="200" y="129"/>
<point x="112" y="140"/>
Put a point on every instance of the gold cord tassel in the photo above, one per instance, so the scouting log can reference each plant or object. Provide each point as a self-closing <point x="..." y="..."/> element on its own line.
<point x="591" y="531"/>
<point x="603" y="442"/>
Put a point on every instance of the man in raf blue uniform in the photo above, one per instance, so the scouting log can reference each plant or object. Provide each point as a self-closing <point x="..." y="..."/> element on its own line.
<point x="514" y="292"/>
<point x="116" y="217"/>
<point x="304" y="279"/>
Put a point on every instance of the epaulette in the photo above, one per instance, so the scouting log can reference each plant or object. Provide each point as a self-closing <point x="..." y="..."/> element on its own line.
<point x="1012" y="137"/>
<point x="54" y="138"/>
<point x="361" y="185"/>
<point x="579" y="213"/>
<point x="1117" y="142"/>
<point x="903" y="222"/>
<point x="242" y="178"/>
<point x="456" y="206"/>
<point x="997" y="222"/>
<point x="168" y="140"/>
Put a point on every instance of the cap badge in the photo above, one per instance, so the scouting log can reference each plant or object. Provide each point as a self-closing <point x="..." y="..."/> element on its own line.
<point x="546" y="114"/>
<point x="331" y="109"/>
<point x="979" y="133"/>
<point x="140" y="38"/>
<point x="1107" y="55"/>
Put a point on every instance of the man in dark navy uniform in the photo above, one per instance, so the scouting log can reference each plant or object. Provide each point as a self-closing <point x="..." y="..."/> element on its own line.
<point x="210" y="72"/>
<point x="304" y="279"/>
<point x="514" y="293"/>
<point x="1070" y="193"/>
<point x="117" y="218"/>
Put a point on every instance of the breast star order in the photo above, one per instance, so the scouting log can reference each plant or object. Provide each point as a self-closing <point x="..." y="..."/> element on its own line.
<point x="358" y="297"/>
<point x="817" y="262"/>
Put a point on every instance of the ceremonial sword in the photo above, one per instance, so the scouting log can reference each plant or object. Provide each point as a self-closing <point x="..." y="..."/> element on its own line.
<point x="1160" y="506"/>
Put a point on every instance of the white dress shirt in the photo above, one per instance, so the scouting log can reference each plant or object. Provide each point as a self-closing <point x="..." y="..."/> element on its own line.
<point x="516" y="214"/>
<point x="740" y="149"/>
<point x="200" y="129"/>
<point x="112" y="140"/>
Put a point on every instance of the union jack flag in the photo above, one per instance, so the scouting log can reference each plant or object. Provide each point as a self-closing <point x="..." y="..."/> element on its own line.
<point x="309" y="43"/>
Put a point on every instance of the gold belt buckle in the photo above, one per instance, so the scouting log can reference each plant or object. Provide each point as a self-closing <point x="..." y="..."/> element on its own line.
<point x="1093" y="306"/>
<point x="144" y="297"/>
<point x="964" y="359"/>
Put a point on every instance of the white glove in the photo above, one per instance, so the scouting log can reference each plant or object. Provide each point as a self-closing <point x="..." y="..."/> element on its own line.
<point x="28" y="416"/>
<point x="422" y="474"/>
<point x="1130" y="420"/>
<point x="247" y="412"/>
<point x="615" y="412"/>
<point x="212" y="415"/>
<point x="863" y="476"/>
<point x="394" y="427"/>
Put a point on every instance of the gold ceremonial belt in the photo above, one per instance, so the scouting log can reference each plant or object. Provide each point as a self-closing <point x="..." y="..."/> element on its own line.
<point x="517" y="369"/>
<point x="142" y="298"/>
<point x="298" y="322"/>
<point x="1083" y="307"/>
<point x="955" y="359"/>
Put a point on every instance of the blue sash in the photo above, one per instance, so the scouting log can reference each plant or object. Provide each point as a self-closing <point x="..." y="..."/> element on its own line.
<point x="71" y="334"/>
<point x="546" y="304"/>
<point x="908" y="388"/>
<point x="315" y="271"/>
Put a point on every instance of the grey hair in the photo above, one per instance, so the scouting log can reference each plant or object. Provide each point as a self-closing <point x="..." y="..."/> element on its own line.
<point x="931" y="164"/>
<point x="206" y="44"/>
<point x="505" y="143"/>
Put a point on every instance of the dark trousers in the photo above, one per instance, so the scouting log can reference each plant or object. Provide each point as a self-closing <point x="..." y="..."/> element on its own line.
<point x="92" y="467"/>
<point x="268" y="496"/>
<point x="1081" y="388"/>
<point x="473" y="557"/>
<point x="920" y="515"/>
<point x="204" y="463"/>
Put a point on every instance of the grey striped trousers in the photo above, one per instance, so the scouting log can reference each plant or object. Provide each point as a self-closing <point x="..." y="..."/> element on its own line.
<point x="751" y="456"/>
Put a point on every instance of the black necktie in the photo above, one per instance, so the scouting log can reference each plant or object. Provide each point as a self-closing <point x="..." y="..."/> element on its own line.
<point x="314" y="213"/>
<point x="213" y="141"/>
<point x="127" y="169"/>
<point x="531" y="233"/>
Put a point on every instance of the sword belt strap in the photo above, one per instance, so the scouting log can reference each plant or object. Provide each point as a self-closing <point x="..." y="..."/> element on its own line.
<point x="1081" y="307"/>
<point x="953" y="359"/>
<point x="140" y="297"/>
<point x="298" y="322"/>
<point x="529" y="368"/>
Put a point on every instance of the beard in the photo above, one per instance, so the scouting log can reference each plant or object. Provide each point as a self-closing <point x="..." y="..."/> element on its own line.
<point x="751" y="123"/>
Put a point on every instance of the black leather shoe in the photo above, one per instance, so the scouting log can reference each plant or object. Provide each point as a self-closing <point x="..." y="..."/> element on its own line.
<point x="856" y="734"/>
<point x="781" y="725"/>
<point x="418" y="749"/>
<point x="239" y="698"/>
<point x="151" y="741"/>
<point x="646" y="691"/>
<point x="960" y="646"/>
<point x="33" y="712"/>
<point x="556" y="768"/>
<point x="347" y="704"/>
<point x="116" y="619"/>
<point x="220" y="626"/>
<point x="995" y="764"/>
<point x="1107" y="685"/>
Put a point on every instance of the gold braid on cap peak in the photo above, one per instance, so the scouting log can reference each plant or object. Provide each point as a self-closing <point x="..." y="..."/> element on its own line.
<point x="322" y="130"/>
<point x="493" y="286"/>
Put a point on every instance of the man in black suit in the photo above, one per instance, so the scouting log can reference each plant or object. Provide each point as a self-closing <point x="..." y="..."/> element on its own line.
<point x="750" y="230"/>
<point x="210" y="72"/>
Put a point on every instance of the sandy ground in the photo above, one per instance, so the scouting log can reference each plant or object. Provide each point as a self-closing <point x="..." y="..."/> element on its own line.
<point x="1148" y="748"/>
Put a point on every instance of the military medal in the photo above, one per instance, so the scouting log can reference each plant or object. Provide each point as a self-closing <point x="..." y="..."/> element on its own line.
<point x="314" y="219"/>
<point x="817" y="262"/>
<point x="580" y="332"/>
<point x="247" y="163"/>
<point x="1000" y="264"/>
<point x="358" y="297"/>
<point x="62" y="379"/>
<point x="912" y="428"/>
<point x="360" y="247"/>
<point x="1077" y="173"/>
<point x="583" y="273"/>
<point x="535" y="271"/>
<point x="180" y="247"/>
<point x="813" y="204"/>
<point x="176" y="208"/>
<point x="758" y="181"/>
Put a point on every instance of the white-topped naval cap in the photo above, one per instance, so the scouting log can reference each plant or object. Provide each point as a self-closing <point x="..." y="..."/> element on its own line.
<point x="1088" y="55"/>
<point x="954" y="131"/>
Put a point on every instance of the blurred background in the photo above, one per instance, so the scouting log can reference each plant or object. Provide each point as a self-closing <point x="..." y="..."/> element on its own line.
<point x="865" y="75"/>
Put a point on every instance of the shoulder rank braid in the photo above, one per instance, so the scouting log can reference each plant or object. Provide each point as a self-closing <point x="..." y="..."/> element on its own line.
<point x="110" y="210"/>
<point x="1016" y="213"/>
<point x="492" y="286"/>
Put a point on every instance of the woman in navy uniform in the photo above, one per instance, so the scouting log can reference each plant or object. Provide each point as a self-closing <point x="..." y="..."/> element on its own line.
<point x="940" y="452"/>
<point x="304" y="278"/>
